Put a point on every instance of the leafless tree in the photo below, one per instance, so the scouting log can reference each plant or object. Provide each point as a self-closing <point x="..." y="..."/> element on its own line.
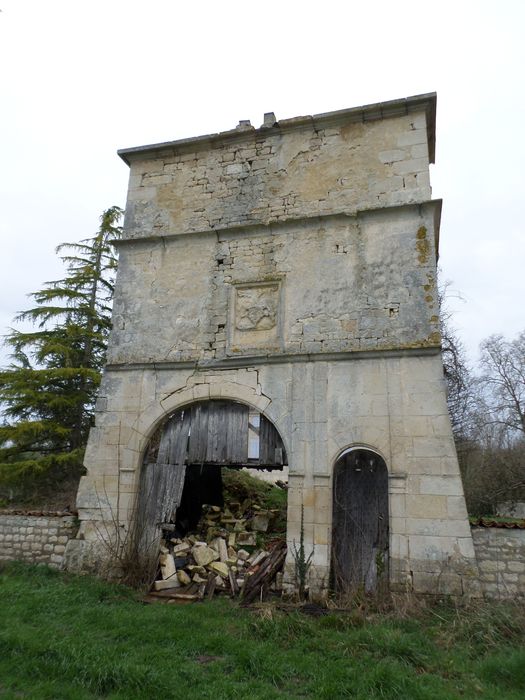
<point x="487" y="412"/>
<point x="503" y="381"/>
<point x="458" y="376"/>
<point x="493" y="466"/>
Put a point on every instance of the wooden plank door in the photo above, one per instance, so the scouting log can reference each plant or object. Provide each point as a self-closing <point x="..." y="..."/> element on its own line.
<point x="360" y="522"/>
<point x="162" y="482"/>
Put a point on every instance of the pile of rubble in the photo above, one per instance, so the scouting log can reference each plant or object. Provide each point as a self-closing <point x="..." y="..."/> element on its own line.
<point x="232" y="553"/>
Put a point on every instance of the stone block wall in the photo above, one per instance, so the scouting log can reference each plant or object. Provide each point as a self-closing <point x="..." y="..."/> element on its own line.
<point x="291" y="268"/>
<point x="501" y="559"/>
<point x="397" y="405"/>
<point x="337" y="285"/>
<point x="40" y="539"/>
<point x="302" y="167"/>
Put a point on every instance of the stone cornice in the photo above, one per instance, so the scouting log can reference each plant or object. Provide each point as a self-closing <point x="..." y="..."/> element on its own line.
<point x="366" y="113"/>
<point x="255" y="228"/>
<point x="274" y="359"/>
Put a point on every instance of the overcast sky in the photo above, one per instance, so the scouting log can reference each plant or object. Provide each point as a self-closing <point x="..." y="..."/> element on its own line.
<point x="80" y="80"/>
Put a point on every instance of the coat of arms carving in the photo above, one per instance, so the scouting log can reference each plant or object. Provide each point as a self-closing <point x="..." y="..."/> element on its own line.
<point x="256" y="314"/>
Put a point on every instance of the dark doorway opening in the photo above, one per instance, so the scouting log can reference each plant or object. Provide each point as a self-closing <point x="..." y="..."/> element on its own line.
<point x="202" y="484"/>
<point x="360" y="523"/>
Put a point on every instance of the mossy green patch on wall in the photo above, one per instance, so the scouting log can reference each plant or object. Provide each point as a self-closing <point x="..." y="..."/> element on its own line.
<point x="422" y="245"/>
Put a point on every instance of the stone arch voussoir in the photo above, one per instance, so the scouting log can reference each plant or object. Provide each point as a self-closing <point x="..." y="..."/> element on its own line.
<point x="358" y="446"/>
<point x="158" y="411"/>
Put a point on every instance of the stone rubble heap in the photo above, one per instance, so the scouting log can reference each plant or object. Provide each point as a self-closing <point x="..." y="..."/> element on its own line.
<point x="225" y="555"/>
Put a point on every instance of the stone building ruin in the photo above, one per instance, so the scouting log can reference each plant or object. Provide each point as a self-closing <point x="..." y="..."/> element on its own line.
<point x="285" y="276"/>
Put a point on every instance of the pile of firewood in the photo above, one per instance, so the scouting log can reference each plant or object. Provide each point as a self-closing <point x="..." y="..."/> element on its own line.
<point x="222" y="557"/>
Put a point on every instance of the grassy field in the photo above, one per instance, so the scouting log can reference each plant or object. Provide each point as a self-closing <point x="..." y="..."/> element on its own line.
<point x="68" y="637"/>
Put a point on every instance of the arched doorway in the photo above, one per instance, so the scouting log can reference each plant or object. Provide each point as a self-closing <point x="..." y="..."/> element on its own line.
<point x="182" y="465"/>
<point x="360" y="522"/>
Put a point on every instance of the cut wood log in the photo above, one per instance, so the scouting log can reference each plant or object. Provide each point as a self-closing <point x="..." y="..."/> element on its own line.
<point x="202" y="590"/>
<point x="266" y="573"/>
<point x="253" y="561"/>
<point x="210" y="586"/>
<point x="185" y="596"/>
<point x="166" y="584"/>
<point x="233" y="583"/>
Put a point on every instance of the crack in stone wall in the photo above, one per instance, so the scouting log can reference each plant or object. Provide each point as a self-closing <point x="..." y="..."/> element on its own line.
<point x="366" y="298"/>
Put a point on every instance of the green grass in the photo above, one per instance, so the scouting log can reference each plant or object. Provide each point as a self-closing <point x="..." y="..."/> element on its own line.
<point x="474" y="519"/>
<point x="239" y="485"/>
<point x="76" y="637"/>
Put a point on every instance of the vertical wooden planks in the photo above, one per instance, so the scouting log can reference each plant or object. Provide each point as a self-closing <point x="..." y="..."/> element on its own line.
<point x="214" y="433"/>
<point x="218" y="434"/>
<point x="212" y="446"/>
<point x="174" y="474"/>
<point x="237" y="434"/>
<point x="360" y="522"/>
<point x="198" y="442"/>
<point x="162" y="482"/>
<point x="271" y="449"/>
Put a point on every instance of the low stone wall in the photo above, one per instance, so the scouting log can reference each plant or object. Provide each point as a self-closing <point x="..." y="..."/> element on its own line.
<point x="500" y="553"/>
<point x="42" y="539"/>
<point x="36" y="538"/>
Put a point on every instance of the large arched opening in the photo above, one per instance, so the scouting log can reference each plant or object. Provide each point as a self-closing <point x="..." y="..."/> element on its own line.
<point x="183" y="463"/>
<point x="360" y="541"/>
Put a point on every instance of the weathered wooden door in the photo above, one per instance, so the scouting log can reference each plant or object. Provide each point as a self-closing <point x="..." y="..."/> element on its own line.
<point x="203" y="436"/>
<point x="360" y="522"/>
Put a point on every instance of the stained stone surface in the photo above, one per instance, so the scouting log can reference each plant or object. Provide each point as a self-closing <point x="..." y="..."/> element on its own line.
<point x="292" y="268"/>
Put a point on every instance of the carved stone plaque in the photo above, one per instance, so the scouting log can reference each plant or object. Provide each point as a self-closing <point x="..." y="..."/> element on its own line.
<point x="256" y="314"/>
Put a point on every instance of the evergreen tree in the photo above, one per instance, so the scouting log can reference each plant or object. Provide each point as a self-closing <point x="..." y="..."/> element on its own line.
<point x="48" y="392"/>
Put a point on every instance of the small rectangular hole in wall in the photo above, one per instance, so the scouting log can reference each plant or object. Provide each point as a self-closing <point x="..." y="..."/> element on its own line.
<point x="393" y="311"/>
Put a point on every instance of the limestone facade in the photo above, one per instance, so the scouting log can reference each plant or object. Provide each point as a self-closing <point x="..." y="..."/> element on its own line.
<point x="292" y="268"/>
